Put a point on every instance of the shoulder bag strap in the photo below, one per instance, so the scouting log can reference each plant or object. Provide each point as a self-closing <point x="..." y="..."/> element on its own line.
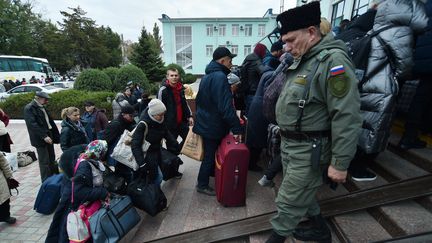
<point x="302" y="102"/>
<point x="75" y="169"/>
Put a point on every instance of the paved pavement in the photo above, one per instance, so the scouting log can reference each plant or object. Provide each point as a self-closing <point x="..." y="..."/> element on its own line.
<point x="30" y="226"/>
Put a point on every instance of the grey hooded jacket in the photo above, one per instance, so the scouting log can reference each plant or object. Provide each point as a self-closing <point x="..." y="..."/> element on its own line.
<point x="378" y="94"/>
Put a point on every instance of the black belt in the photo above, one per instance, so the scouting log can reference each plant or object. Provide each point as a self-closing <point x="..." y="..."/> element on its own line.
<point x="306" y="135"/>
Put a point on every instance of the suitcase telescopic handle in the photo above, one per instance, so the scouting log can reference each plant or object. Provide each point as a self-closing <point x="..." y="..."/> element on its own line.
<point x="236" y="177"/>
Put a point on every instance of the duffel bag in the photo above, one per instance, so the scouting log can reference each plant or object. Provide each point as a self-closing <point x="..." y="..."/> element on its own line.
<point x="169" y="164"/>
<point x="145" y="196"/>
<point x="114" y="220"/>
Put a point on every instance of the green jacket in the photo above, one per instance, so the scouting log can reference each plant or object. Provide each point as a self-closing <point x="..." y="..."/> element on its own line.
<point x="333" y="102"/>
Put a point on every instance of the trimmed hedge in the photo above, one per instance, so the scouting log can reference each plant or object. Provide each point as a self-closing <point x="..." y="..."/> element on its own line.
<point x="93" y="80"/>
<point x="112" y="73"/>
<point x="130" y="73"/>
<point x="14" y="105"/>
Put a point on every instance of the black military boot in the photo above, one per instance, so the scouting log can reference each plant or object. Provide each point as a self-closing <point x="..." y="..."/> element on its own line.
<point x="318" y="231"/>
<point x="275" y="238"/>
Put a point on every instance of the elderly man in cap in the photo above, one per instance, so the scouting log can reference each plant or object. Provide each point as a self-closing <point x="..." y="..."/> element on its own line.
<point x="43" y="133"/>
<point x="318" y="112"/>
<point x="216" y="114"/>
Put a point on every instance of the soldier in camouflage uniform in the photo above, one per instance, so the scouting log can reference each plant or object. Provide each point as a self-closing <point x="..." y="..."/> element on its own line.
<point x="318" y="112"/>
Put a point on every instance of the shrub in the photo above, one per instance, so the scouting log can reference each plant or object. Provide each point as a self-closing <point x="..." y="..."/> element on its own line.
<point x="130" y="73"/>
<point x="93" y="80"/>
<point x="112" y="73"/>
<point x="14" y="105"/>
<point x="189" y="78"/>
<point x="154" y="88"/>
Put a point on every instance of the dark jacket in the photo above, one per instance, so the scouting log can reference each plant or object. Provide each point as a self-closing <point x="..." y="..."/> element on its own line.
<point x="7" y="86"/>
<point x="257" y="123"/>
<point x="83" y="188"/>
<point x="166" y="95"/>
<point x="155" y="133"/>
<point x="115" y="129"/>
<point x="95" y="123"/>
<point x="423" y="49"/>
<point x="358" y="27"/>
<point x="250" y="74"/>
<point x="215" y="114"/>
<point x="57" y="231"/>
<point x="37" y="126"/>
<point x="71" y="135"/>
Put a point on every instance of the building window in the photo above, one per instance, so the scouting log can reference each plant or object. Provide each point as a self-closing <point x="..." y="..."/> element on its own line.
<point x="209" y="28"/>
<point x="360" y="7"/>
<point x="337" y="14"/>
<point x="234" y="49"/>
<point x="209" y="50"/>
<point x="222" y="29"/>
<point x="183" y="44"/>
<point x="248" y="30"/>
<point x="235" y="30"/>
<point x="247" y="50"/>
<point x="261" y="30"/>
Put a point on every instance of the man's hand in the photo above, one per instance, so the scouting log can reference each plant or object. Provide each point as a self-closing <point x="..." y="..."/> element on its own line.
<point x="336" y="175"/>
<point x="191" y="121"/>
<point x="48" y="140"/>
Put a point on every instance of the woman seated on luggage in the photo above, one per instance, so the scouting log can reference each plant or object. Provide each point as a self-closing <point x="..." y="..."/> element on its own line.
<point x="57" y="230"/>
<point x="153" y="116"/>
<point x="72" y="132"/>
<point x="88" y="180"/>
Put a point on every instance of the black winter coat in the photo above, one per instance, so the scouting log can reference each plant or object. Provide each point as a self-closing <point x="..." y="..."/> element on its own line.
<point x="358" y="27"/>
<point x="257" y="123"/>
<point x="37" y="127"/>
<point x="83" y="186"/>
<point x="71" y="135"/>
<point x="250" y="74"/>
<point x="166" y="95"/>
<point x="215" y="114"/>
<point x="423" y="48"/>
<point x="115" y="129"/>
<point x="156" y="132"/>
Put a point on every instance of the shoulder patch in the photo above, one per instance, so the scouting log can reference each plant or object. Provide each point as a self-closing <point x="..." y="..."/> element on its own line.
<point x="339" y="85"/>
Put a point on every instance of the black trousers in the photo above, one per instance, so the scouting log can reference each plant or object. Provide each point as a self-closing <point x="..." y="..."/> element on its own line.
<point x="5" y="210"/>
<point x="419" y="108"/>
<point x="47" y="165"/>
<point x="181" y="131"/>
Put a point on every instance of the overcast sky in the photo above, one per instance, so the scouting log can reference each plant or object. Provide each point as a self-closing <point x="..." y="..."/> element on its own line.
<point x="128" y="16"/>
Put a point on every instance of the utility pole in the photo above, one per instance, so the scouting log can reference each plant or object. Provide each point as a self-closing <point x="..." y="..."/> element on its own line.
<point x="281" y="6"/>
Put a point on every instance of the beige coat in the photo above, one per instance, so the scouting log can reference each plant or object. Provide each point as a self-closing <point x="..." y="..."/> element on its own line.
<point x="6" y="172"/>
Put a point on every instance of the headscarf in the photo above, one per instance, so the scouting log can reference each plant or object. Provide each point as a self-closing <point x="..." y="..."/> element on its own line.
<point x="95" y="150"/>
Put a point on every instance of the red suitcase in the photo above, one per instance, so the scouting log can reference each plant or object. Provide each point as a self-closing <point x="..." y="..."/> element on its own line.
<point x="232" y="161"/>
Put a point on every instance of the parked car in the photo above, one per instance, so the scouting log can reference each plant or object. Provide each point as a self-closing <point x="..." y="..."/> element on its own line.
<point x="49" y="89"/>
<point x="63" y="84"/>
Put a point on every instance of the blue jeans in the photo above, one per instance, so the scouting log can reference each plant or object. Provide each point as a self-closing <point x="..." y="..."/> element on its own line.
<point x="208" y="164"/>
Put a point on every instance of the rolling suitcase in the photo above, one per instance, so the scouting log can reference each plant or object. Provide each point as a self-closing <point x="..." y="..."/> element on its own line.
<point x="232" y="162"/>
<point x="49" y="194"/>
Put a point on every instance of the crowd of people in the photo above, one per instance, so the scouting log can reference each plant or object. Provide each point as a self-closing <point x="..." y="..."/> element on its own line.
<point x="325" y="120"/>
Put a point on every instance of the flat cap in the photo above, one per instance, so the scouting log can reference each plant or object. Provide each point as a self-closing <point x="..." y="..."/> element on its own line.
<point x="42" y="94"/>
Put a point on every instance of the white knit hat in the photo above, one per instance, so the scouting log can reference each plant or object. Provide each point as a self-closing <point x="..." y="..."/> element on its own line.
<point x="156" y="107"/>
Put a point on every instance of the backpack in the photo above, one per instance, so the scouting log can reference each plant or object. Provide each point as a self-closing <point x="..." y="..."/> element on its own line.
<point x="359" y="49"/>
<point x="273" y="89"/>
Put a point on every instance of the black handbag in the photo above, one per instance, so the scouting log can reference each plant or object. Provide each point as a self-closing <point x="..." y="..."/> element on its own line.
<point x="13" y="184"/>
<point x="145" y="196"/>
<point x="114" y="183"/>
<point x="169" y="164"/>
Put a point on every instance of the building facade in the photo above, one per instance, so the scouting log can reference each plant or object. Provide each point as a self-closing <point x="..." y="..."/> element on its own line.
<point x="190" y="42"/>
<point x="337" y="10"/>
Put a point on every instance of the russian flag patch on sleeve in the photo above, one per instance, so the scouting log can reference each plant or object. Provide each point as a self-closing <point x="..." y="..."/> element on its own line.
<point x="337" y="70"/>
